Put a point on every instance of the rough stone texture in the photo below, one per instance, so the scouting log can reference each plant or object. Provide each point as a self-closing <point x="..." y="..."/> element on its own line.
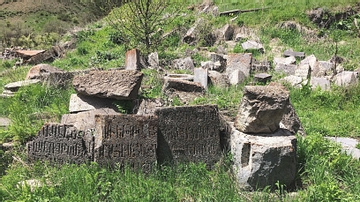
<point x="249" y="45"/>
<point x="116" y="84"/>
<point x="236" y="77"/>
<point x="346" y="78"/>
<point x="201" y="76"/>
<point x="219" y="60"/>
<point x="324" y="68"/>
<point x="210" y="65"/>
<point x="126" y="140"/>
<point x="286" y="69"/>
<point x="36" y="71"/>
<point x="79" y="103"/>
<point x="227" y="32"/>
<point x="16" y="85"/>
<point x="85" y="121"/>
<point x="348" y="145"/>
<point x="153" y="60"/>
<point x="61" y="143"/>
<point x="262" y="77"/>
<point x="239" y="61"/>
<point x="291" y="122"/>
<point x="187" y="77"/>
<point x="294" y="81"/>
<point x="148" y="106"/>
<point x="261" y="161"/>
<point x="323" y="83"/>
<point x="189" y="134"/>
<point x="310" y="60"/>
<point x="303" y="71"/>
<point x="284" y="61"/>
<point x="293" y="53"/>
<point x="182" y="85"/>
<point x="132" y="60"/>
<point x="218" y="79"/>
<point x="261" y="67"/>
<point x="59" y="79"/>
<point x="184" y="64"/>
<point x="261" y="109"/>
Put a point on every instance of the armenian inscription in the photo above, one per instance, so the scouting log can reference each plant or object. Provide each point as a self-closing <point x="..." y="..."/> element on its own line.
<point x="60" y="143"/>
<point x="126" y="140"/>
<point x="189" y="134"/>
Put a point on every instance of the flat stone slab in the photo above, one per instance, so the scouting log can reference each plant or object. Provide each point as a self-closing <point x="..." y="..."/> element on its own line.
<point x="189" y="134"/>
<point x="187" y="77"/>
<point x="348" y="145"/>
<point x="294" y="53"/>
<point x="16" y="85"/>
<point x="182" y="85"/>
<point x="116" y="84"/>
<point x="79" y="103"/>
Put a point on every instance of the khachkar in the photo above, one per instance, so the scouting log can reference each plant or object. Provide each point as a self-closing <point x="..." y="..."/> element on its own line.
<point x="61" y="144"/>
<point x="189" y="134"/>
<point x="126" y="140"/>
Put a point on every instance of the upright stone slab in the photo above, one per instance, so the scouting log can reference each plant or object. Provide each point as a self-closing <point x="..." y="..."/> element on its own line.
<point x="189" y="134"/>
<point x="61" y="144"/>
<point x="132" y="60"/>
<point x="201" y="76"/>
<point x="126" y="140"/>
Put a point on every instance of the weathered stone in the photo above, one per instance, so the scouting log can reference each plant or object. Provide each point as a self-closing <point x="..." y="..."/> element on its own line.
<point x="79" y="103"/>
<point x="218" y="79"/>
<point x="153" y="60"/>
<point x="47" y="56"/>
<point x="262" y="77"/>
<point x="182" y="85"/>
<point x="85" y="121"/>
<point x="348" y="145"/>
<point x="239" y="61"/>
<point x="346" y="78"/>
<point x="210" y="65"/>
<point x="126" y="140"/>
<point x="261" y="67"/>
<point x="227" y="32"/>
<point x="291" y="122"/>
<point x="264" y="160"/>
<point x="116" y="84"/>
<point x="59" y="79"/>
<point x="251" y="45"/>
<point x="303" y="71"/>
<point x="322" y="82"/>
<point x="187" y="77"/>
<point x="286" y="69"/>
<point x="132" y="60"/>
<point x="61" y="143"/>
<point x="201" y="76"/>
<point x="324" y="68"/>
<point x="294" y="81"/>
<point x="4" y="122"/>
<point x="7" y="94"/>
<point x="261" y="109"/>
<point x="148" y="106"/>
<point x="219" y="62"/>
<point x="310" y="60"/>
<point x="284" y="61"/>
<point x="16" y="85"/>
<point x="184" y="64"/>
<point x="36" y="71"/>
<point x="288" y="53"/>
<point x="236" y="77"/>
<point x="189" y="134"/>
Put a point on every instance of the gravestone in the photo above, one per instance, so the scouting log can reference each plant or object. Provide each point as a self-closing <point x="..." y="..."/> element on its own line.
<point x="132" y="60"/>
<point x="188" y="134"/>
<point x="61" y="144"/>
<point x="126" y="140"/>
<point x="201" y="76"/>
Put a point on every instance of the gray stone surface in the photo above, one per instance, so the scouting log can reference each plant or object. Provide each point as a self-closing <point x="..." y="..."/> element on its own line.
<point x="236" y="77"/>
<point x="79" y="103"/>
<point x="303" y="71"/>
<point x="324" y="68"/>
<point x="184" y="64"/>
<point x="284" y="61"/>
<point x="4" y="122"/>
<point x="189" y="134"/>
<point x="262" y="77"/>
<point x="310" y="60"/>
<point x="263" y="160"/>
<point x="250" y="44"/>
<point x="115" y="84"/>
<point x="61" y="143"/>
<point x="348" y="145"/>
<point x="227" y="32"/>
<point x="291" y="122"/>
<point x="153" y="60"/>
<point x="346" y="78"/>
<point x="187" y="77"/>
<point x="218" y="79"/>
<point x="261" y="109"/>
<point x="239" y="61"/>
<point x="182" y="85"/>
<point x="126" y="140"/>
<point x="148" y="106"/>
<point x="286" y="69"/>
<point x="293" y="53"/>
<point x="36" y="71"/>
<point x="201" y="76"/>
<point x="294" y="81"/>
<point x="16" y="85"/>
<point x="321" y="82"/>
<point x="132" y="60"/>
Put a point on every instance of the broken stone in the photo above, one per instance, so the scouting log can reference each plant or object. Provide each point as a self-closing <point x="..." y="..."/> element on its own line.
<point x="294" y="81"/>
<point x="227" y="32"/>
<point x="264" y="160"/>
<point x="346" y="78"/>
<point x="126" y="140"/>
<point x="348" y="145"/>
<point x="236" y="77"/>
<point x="286" y="69"/>
<point x="79" y="103"/>
<point x="239" y="61"/>
<point x="310" y="60"/>
<point x="303" y="71"/>
<point x="262" y="77"/>
<point x="218" y="79"/>
<point x="148" y="106"/>
<point x="36" y="71"/>
<point x="189" y="134"/>
<point x="284" y="61"/>
<point x="288" y="53"/>
<point x="182" y="85"/>
<point x="116" y="84"/>
<point x="153" y="60"/>
<point x="132" y="60"/>
<point x="291" y="122"/>
<point x="201" y="76"/>
<point x="184" y="64"/>
<point x="324" y="68"/>
<point x="251" y="45"/>
<point x="207" y="65"/>
<point x="13" y="87"/>
<point x="187" y="77"/>
<point x="261" y="109"/>
<point x="4" y="122"/>
<point x="321" y="82"/>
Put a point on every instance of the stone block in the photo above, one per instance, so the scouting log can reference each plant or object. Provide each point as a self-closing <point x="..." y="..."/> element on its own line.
<point x="236" y="77"/>
<point x="36" y="71"/>
<point x="79" y="103"/>
<point x="263" y="160"/>
<point x="61" y="144"/>
<point x="346" y="78"/>
<point x="322" y="82"/>
<point x="303" y="71"/>
<point x="227" y="32"/>
<point x="286" y="69"/>
<point x="218" y="79"/>
<point x="115" y="84"/>
<point x="148" y="106"/>
<point x="189" y="134"/>
<point x="262" y="77"/>
<point x="293" y="53"/>
<point x="294" y="81"/>
<point x="324" y="68"/>
<point x="291" y="122"/>
<point x="153" y="60"/>
<point x="184" y="64"/>
<point x="126" y="140"/>
<point x="16" y="85"/>
<point x="201" y="76"/>
<point x="182" y="85"/>
<point x="239" y="61"/>
<point x="284" y="61"/>
<point x="251" y="45"/>
<point x="310" y="60"/>
<point x="261" y="109"/>
<point x="132" y="60"/>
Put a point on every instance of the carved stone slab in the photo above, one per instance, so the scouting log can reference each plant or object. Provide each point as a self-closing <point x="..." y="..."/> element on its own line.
<point x="61" y="143"/>
<point x="126" y="140"/>
<point x="189" y="134"/>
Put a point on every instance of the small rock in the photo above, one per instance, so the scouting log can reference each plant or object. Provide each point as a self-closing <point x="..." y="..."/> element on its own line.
<point x="249" y="45"/>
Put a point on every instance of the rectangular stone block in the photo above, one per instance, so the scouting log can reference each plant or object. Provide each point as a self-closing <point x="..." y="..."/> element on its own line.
<point x="239" y="61"/>
<point x="188" y="134"/>
<point x="132" y="60"/>
<point x="61" y="144"/>
<point x="126" y="140"/>
<point x="201" y="76"/>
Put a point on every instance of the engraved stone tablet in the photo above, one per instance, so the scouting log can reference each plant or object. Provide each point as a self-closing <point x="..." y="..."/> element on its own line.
<point x="126" y="140"/>
<point x="61" y="144"/>
<point x="189" y="134"/>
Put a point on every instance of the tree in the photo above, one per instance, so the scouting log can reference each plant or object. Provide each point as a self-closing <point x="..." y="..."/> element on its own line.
<point x="140" y="23"/>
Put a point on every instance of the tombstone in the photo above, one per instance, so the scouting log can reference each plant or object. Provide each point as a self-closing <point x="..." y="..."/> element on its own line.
<point x="303" y="71"/>
<point x="132" y="60"/>
<point x="148" y="106"/>
<point x="126" y="140"/>
<point x="201" y="76"/>
<point x="239" y="61"/>
<point x="61" y="144"/>
<point x="79" y="103"/>
<point x="189" y="134"/>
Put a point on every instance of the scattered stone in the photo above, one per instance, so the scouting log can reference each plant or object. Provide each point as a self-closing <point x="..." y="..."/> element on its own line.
<point x="262" y="78"/>
<point x="27" y="54"/>
<point x="210" y="65"/>
<point x="346" y="78"/>
<point x="85" y="121"/>
<point x="201" y="76"/>
<point x="321" y="82"/>
<point x="36" y="71"/>
<point x="13" y="87"/>
<point x="288" y="53"/>
<point x="7" y="94"/>
<point x="153" y="60"/>
<point x="132" y="60"/>
<point x="261" y="109"/>
<point x="60" y="144"/>
<point x="79" y="103"/>
<point x="251" y="45"/>
<point x="261" y="67"/>
<point x="239" y="61"/>
<point x="303" y="71"/>
<point x="227" y="32"/>
<point x="187" y="77"/>
<point x="46" y="56"/>
<point x="310" y="60"/>
<point x="236" y="77"/>
<point x="284" y="61"/>
<point x="116" y="84"/>
<point x="264" y="160"/>
<point x="291" y="122"/>
<point x="286" y="69"/>
<point x="219" y="62"/>
<point x="348" y="145"/>
<point x="294" y="81"/>
<point x="189" y="134"/>
<point x="182" y="85"/>
<point x="122" y="140"/>
<point x="4" y="122"/>
<point x="184" y="64"/>
<point x="324" y="68"/>
<point x="148" y="106"/>
<point x="218" y="79"/>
